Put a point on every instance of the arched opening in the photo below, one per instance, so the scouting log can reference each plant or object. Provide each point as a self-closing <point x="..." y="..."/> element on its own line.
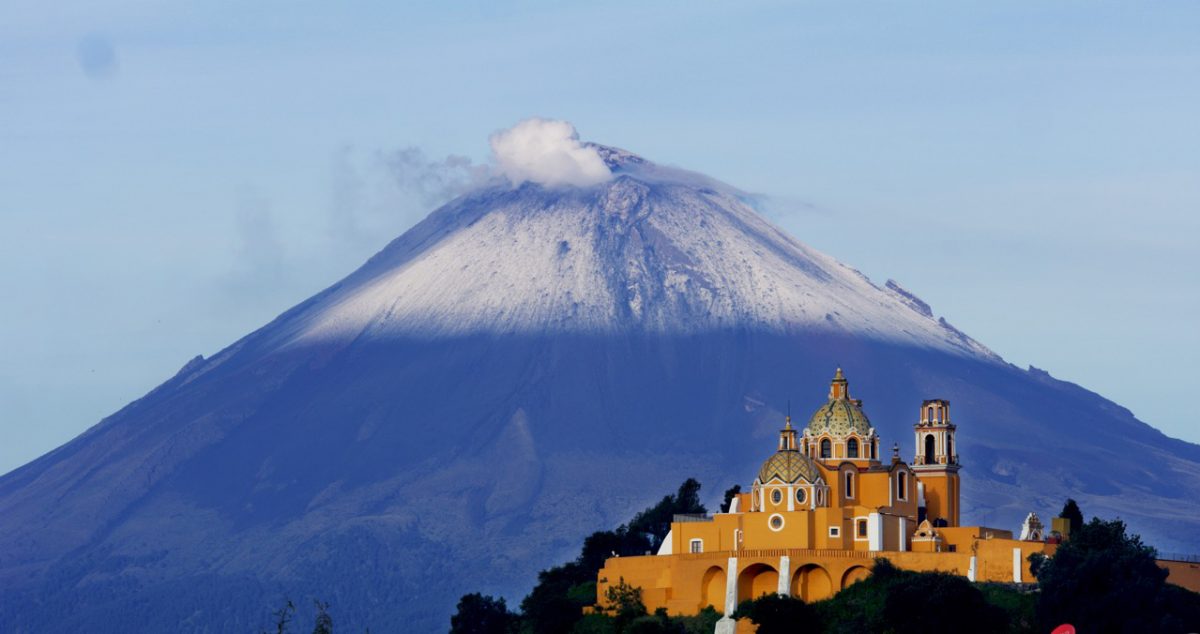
<point x="826" y="448"/>
<point x="757" y="580"/>
<point x="901" y="486"/>
<point x="852" y="448"/>
<point x="849" y="484"/>
<point x="712" y="589"/>
<point x="949" y="449"/>
<point x="854" y="575"/>
<point x="929" y="453"/>
<point x="811" y="583"/>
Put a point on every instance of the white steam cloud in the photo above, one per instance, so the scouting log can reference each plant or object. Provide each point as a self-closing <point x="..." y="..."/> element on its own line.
<point x="547" y="152"/>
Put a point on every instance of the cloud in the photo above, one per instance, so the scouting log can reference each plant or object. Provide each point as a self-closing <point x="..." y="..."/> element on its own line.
<point x="379" y="193"/>
<point x="96" y="56"/>
<point x="547" y="152"/>
<point x="433" y="181"/>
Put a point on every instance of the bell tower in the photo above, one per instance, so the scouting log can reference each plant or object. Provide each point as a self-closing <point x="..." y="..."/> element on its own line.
<point x="936" y="463"/>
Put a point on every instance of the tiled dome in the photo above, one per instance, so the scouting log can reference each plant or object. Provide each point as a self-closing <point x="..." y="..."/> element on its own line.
<point x="842" y="415"/>
<point x="789" y="466"/>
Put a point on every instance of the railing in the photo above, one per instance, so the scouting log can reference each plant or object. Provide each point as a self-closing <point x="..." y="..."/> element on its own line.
<point x="691" y="517"/>
<point x="794" y="553"/>
<point x="1191" y="559"/>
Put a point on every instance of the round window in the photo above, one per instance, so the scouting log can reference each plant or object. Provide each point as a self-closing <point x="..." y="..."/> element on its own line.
<point x="776" y="496"/>
<point x="801" y="496"/>
<point x="776" y="522"/>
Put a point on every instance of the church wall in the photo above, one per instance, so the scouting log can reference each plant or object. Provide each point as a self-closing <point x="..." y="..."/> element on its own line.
<point x="1183" y="573"/>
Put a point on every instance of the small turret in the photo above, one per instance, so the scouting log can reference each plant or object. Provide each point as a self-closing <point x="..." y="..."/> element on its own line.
<point x="787" y="437"/>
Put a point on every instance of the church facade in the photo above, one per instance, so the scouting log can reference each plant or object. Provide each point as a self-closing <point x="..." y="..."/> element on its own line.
<point x="823" y="505"/>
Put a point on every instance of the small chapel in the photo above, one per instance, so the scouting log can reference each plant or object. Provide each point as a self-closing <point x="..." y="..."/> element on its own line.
<point x="823" y="505"/>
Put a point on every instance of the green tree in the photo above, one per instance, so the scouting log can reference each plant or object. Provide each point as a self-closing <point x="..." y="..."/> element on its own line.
<point x="933" y="602"/>
<point x="1104" y="580"/>
<point x="625" y="603"/>
<point x="555" y="604"/>
<point x="729" y="494"/>
<point x="479" y="614"/>
<point x="656" y="520"/>
<point x="1073" y="515"/>
<point x="778" y="614"/>
<point x="324" y="622"/>
<point x="552" y="607"/>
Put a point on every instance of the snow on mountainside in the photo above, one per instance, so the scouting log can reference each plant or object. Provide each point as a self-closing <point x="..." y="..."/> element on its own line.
<point x="534" y="361"/>
<point x="651" y="251"/>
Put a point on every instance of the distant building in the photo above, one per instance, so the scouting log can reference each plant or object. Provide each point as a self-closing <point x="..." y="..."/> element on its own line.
<point x="821" y="508"/>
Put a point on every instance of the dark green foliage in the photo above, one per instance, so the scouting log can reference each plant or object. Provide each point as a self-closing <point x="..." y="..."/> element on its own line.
<point x="657" y="623"/>
<point x="479" y="614"/>
<point x="729" y="493"/>
<point x="1073" y="515"/>
<point x="1103" y="580"/>
<point x="555" y="604"/>
<point x="931" y="602"/>
<point x="551" y="606"/>
<point x="1179" y="609"/>
<point x="703" y="623"/>
<point x="894" y="600"/>
<point x="595" y="624"/>
<point x="324" y="622"/>
<point x="777" y="614"/>
<point x="1020" y="604"/>
<point x="656" y="520"/>
<point x="624" y="603"/>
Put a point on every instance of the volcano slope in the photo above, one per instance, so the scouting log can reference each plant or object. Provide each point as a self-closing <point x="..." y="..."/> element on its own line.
<point x="525" y="366"/>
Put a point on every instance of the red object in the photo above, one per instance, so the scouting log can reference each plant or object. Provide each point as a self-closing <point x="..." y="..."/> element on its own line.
<point x="1065" y="628"/>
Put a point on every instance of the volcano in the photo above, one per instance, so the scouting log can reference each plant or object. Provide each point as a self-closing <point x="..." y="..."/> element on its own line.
<point x="528" y="364"/>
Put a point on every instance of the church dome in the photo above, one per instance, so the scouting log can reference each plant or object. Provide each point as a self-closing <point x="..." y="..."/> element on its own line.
<point x="841" y="415"/>
<point x="790" y="467"/>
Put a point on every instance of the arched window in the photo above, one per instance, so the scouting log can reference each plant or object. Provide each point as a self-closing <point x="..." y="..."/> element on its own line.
<point x="901" y="486"/>
<point x="849" y="484"/>
<point x="852" y="448"/>
<point x="929" y="453"/>
<point x="826" y="448"/>
<point x="949" y="449"/>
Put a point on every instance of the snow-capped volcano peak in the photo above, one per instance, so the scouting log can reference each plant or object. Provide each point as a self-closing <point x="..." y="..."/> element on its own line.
<point x="651" y="249"/>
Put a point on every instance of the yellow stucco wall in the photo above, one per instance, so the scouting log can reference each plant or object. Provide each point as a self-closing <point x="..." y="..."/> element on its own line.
<point x="686" y="583"/>
<point x="1183" y="573"/>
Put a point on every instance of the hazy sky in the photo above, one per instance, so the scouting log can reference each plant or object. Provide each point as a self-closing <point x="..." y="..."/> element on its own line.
<point x="173" y="175"/>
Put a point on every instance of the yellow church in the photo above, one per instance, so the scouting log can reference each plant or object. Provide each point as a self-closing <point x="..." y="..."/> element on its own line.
<point x="821" y="508"/>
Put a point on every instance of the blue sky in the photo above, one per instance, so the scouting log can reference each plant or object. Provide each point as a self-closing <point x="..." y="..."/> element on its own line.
<point x="173" y="175"/>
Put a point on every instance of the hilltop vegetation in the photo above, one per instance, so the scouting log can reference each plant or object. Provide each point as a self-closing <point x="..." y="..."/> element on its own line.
<point x="1101" y="580"/>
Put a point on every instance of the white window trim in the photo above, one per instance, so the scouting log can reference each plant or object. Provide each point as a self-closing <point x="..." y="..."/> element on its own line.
<point x="848" y="484"/>
<point x="692" y="543"/>
<point x="835" y="531"/>
<point x="771" y="523"/>
<point x="902" y="474"/>
<point x="854" y="528"/>
<point x="776" y="492"/>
